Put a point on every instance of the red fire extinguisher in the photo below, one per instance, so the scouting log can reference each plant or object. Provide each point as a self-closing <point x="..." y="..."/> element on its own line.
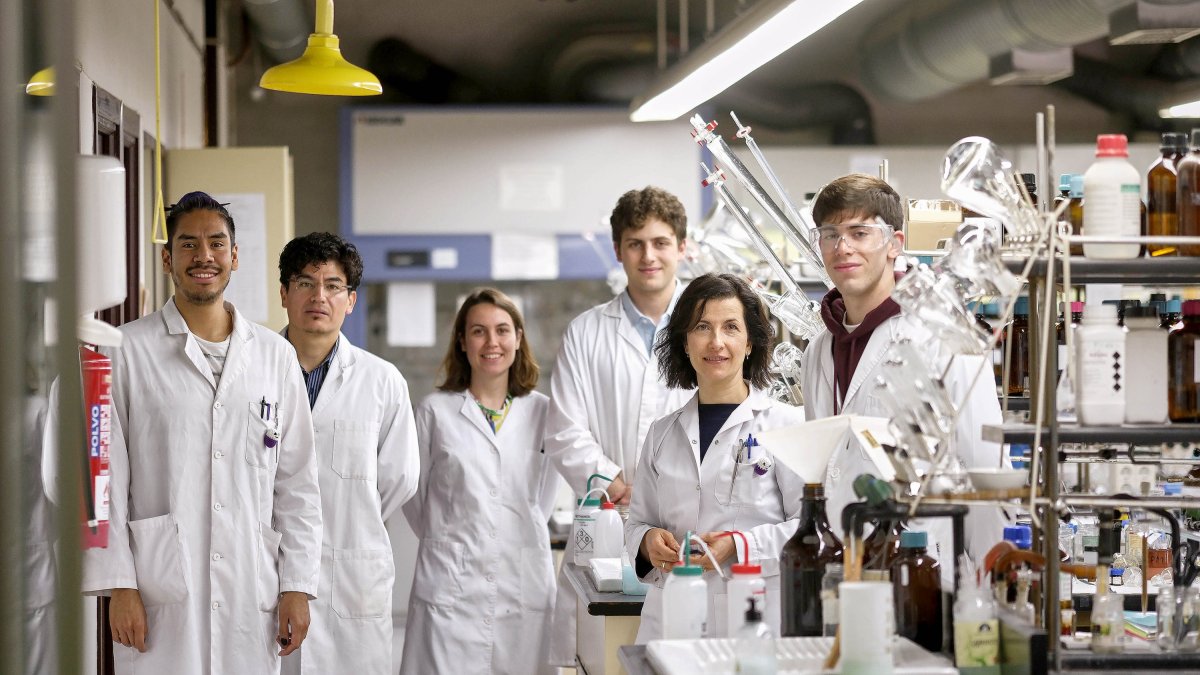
<point x="96" y="371"/>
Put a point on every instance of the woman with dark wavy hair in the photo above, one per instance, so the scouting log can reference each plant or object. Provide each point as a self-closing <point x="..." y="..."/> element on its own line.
<point x="484" y="581"/>
<point x="699" y="469"/>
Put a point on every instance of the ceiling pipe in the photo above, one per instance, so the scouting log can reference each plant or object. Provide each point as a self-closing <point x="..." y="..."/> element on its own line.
<point x="1178" y="61"/>
<point x="1115" y="90"/>
<point x="837" y="106"/>
<point x="280" y="26"/>
<point x="581" y="71"/>
<point x="935" y="54"/>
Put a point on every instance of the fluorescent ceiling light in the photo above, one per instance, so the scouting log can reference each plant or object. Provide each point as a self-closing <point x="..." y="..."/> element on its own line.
<point x="1183" y="102"/>
<point x="1189" y="110"/>
<point x="767" y="30"/>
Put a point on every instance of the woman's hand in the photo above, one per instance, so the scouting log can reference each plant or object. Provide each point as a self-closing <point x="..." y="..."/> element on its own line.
<point x="660" y="548"/>
<point x="721" y="546"/>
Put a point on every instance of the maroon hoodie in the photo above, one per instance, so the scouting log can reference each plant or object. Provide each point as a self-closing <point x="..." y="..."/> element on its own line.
<point x="848" y="347"/>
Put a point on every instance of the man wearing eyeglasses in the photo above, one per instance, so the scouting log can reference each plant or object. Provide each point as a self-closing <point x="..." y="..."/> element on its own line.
<point x="368" y="461"/>
<point x="859" y="219"/>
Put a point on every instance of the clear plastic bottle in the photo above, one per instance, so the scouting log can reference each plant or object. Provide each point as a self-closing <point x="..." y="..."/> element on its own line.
<point x="976" y="629"/>
<point x="1113" y="189"/>
<point x="917" y="590"/>
<point x="755" y="650"/>
<point x="610" y="532"/>
<point x="685" y="604"/>
<point x="1187" y="195"/>
<point x="1162" y="191"/>
<point x="1183" y="401"/>
<point x="1164" y="607"/>
<point x="1099" y="367"/>
<point x="1108" y="617"/>
<point x="745" y="585"/>
<point x="834" y="575"/>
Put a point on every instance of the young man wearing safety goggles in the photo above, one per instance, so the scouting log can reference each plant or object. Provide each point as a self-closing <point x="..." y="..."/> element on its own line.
<point x="859" y="219"/>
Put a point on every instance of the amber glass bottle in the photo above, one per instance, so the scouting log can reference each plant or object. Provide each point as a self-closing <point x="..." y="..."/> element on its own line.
<point x="881" y="549"/>
<point x="1183" y="402"/>
<point x="1018" y="369"/>
<point x="917" y="591"/>
<point x="1075" y="211"/>
<point x="802" y="566"/>
<point x="1161" y="187"/>
<point x="1187" y="195"/>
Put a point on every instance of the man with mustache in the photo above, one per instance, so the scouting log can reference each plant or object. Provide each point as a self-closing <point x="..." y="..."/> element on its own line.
<point x="215" y="531"/>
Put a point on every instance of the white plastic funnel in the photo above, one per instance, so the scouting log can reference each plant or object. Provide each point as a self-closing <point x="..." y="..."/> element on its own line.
<point x="806" y="448"/>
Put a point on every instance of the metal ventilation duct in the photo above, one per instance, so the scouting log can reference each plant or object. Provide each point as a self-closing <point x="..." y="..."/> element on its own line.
<point x="281" y="26"/>
<point x="941" y="52"/>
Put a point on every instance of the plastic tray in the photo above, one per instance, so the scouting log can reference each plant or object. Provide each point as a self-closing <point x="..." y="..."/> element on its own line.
<point x="795" y="656"/>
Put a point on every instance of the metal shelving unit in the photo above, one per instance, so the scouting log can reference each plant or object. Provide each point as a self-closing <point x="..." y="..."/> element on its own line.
<point x="1140" y="271"/>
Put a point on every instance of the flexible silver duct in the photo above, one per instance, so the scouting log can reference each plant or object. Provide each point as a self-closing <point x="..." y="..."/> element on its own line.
<point x="281" y="26"/>
<point x="935" y="54"/>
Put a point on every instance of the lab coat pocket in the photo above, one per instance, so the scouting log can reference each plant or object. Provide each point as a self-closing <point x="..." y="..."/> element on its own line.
<point x="258" y="453"/>
<point x="158" y="560"/>
<point x="437" y="579"/>
<point x="738" y="484"/>
<point x="268" y="569"/>
<point x="362" y="583"/>
<point x="537" y="579"/>
<point x="355" y="449"/>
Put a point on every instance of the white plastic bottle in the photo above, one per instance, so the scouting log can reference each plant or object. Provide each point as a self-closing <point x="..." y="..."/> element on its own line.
<point x="1146" y="384"/>
<point x="1112" y="193"/>
<point x="609" y="532"/>
<point x="1100" y="367"/>
<point x="685" y="604"/>
<point x="755" y="650"/>
<point x="745" y="585"/>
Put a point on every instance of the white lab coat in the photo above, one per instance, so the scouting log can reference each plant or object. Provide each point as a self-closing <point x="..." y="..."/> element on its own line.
<point x="678" y="492"/>
<point x="984" y="525"/>
<point x="207" y="522"/>
<point x="484" y="581"/>
<point x="604" y="394"/>
<point x="368" y="464"/>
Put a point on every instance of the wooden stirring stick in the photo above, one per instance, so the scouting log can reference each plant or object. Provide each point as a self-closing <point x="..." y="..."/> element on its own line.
<point x="853" y="573"/>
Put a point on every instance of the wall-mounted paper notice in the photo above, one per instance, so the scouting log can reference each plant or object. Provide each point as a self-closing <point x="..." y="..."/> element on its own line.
<point x="249" y="285"/>
<point x="521" y="256"/>
<point x="411" y="314"/>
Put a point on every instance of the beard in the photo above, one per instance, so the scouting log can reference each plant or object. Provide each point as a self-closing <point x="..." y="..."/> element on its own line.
<point x="201" y="296"/>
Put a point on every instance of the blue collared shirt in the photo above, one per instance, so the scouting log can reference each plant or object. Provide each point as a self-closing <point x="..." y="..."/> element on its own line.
<point x="313" y="381"/>
<point x="646" y="328"/>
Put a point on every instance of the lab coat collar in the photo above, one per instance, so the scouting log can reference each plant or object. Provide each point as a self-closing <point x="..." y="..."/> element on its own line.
<point x="876" y="349"/>
<point x="175" y="324"/>
<point x="689" y="417"/>
<point x="470" y="410"/>
<point x="615" y="310"/>
<point x="339" y="371"/>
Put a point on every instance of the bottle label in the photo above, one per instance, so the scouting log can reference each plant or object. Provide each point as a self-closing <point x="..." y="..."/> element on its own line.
<point x="829" y="607"/>
<point x="1101" y="368"/>
<point x="976" y="643"/>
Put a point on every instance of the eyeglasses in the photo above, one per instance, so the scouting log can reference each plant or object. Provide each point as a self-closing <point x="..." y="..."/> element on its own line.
<point x="307" y="286"/>
<point x="860" y="237"/>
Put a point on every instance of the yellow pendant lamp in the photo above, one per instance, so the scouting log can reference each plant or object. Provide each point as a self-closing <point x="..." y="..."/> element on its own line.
<point x="42" y="83"/>
<point x="322" y="69"/>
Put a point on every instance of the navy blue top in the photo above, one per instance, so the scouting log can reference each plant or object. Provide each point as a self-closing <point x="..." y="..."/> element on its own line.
<point x="712" y="417"/>
<point x="314" y="380"/>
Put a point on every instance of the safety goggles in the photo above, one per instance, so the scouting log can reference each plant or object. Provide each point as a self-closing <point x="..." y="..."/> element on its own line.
<point x="858" y="237"/>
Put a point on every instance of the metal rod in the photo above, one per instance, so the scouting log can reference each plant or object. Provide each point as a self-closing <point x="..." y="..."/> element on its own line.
<point x="710" y="18"/>
<point x="683" y="27"/>
<point x="1156" y="239"/>
<point x="662" y="34"/>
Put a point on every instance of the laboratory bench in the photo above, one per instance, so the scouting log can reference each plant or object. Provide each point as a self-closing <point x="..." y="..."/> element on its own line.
<point x="604" y="621"/>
